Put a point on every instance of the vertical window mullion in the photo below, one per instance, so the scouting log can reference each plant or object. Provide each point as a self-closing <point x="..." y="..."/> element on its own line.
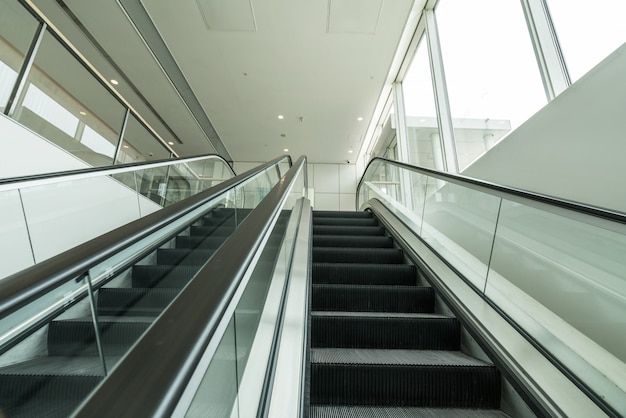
<point x="442" y="103"/>
<point x="554" y="72"/>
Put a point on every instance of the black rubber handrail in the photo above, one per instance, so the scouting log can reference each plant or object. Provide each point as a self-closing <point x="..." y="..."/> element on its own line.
<point x="110" y="168"/>
<point x="498" y="189"/>
<point x="150" y="379"/>
<point x="31" y="283"/>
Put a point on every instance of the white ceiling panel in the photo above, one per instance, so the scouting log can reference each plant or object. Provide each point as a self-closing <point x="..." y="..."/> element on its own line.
<point x="354" y="16"/>
<point x="228" y="15"/>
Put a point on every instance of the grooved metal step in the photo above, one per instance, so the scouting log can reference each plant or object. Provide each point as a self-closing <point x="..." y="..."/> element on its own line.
<point x="134" y="301"/>
<point x="340" y="214"/>
<point x="364" y="274"/>
<point x="345" y="221"/>
<point x="357" y="255"/>
<point x="175" y="256"/>
<point x="352" y="241"/>
<point x="332" y="411"/>
<point x="402" y="378"/>
<point x="347" y="230"/>
<point x="162" y="276"/>
<point x="384" y="330"/>
<point x="360" y="298"/>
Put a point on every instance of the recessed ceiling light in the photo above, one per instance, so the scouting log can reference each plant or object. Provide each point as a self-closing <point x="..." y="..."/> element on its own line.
<point x="359" y="118"/>
<point x="170" y="143"/>
<point x="286" y="150"/>
<point x="281" y="117"/>
<point x="349" y="151"/>
<point x="82" y="113"/>
<point x="125" y="146"/>
<point x="115" y="82"/>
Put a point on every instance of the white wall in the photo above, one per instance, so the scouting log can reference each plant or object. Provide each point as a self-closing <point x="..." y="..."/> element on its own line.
<point x="42" y="221"/>
<point x="331" y="186"/>
<point x="26" y="153"/>
<point x="575" y="147"/>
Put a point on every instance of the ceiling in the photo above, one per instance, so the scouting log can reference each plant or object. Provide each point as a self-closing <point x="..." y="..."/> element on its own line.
<point x="209" y="72"/>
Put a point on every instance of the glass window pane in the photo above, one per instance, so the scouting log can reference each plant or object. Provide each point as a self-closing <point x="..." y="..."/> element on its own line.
<point x="140" y="145"/>
<point x="65" y="104"/>
<point x="421" y="116"/>
<point x="588" y="32"/>
<point x="492" y="77"/>
<point x="17" y="29"/>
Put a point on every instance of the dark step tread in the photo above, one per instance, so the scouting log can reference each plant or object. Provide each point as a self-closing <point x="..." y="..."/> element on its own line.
<point x="341" y="214"/>
<point x="384" y="331"/>
<point x="345" y="221"/>
<point x="372" y="298"/>
<point x="163" y="276"/>
<point x="72" y="337"/>
<point x="402" y="378"/>
<point x="394" y="357"/>
<point x="176" y="256"/>
<point x="193" y="241"/>
<point x="376" y="241"/>
<point x="364" y="273"/>
<point x="347" y="230"/>
<point x="340" y="411"/>
<point x="357" y="255"/>
<point x="134" y="301"/>
<point x="57" y="366"/>
<point x="379" y="315"/>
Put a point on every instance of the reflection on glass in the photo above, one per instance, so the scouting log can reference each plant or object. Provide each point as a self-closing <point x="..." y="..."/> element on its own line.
<point x="421" y="117"/>
<point x="460" y="223"/>
<point x="66" y="105"/>
<point x="217" y="393"/>
<point x="14" y="238"/>
<point x="139" y="144"/>
<point x="56" y="365"/>
<point x="604" y="31"/>
<point x="17" y="29"/>
<point x="491" y="71"/>
<point x="571" y="267"/>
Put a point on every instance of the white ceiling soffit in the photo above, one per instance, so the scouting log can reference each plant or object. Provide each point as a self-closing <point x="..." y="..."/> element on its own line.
<point x="353" y="16"/>
<point x="231" y="15"/>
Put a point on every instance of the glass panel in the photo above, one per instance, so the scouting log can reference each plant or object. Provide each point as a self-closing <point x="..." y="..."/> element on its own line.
<point x="588" y="33"/>
<point x="56" y="366"/>
<point x="569" y="266"/>
<point x="459" y="223"/>
<point x="421" y="116"/>
<point x="66" y="105"/>
<point x="217" y="393"/>
<point x="14" y="239"/>
<point x="62" y="215"/>
<point x="17" y="29"/>
<point x="491" y="71"/>
<point x="140" y="145"/>
<point x="562" y="276"/>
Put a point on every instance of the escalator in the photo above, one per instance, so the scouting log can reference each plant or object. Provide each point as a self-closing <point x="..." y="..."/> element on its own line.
<point x="53" y="383"/>
<point x="378" y="349"/>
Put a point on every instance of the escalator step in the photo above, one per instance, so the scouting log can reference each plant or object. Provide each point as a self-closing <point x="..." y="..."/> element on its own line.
<point x="43" y="395"/>
<point x="175" y="256"/>
<point x="357" y="298"/>
<point x="364" y="274"/>
<point x="340" y="214"/>
<point x="205" y="231"/>
<point x="357" y="255"/>
<point x="332" y="411"/>
<point x="130" y="301"/>
<point x="384" y="331"/>
<point x="347" y="230"/>
<point x="73" y="337"/>
<point x="355" y="241"/>
<point x="402" y="378"/>
<point x="210" y="242"/>
<point x="175" y="277"/>
<point x="345" y="221"/>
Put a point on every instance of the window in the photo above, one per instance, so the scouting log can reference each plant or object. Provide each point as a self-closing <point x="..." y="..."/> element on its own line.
<point x="421" y="116"/>
<point x="17" y="29"/>
<point x="491" y="71"/>
<point x="588" y="32"/>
